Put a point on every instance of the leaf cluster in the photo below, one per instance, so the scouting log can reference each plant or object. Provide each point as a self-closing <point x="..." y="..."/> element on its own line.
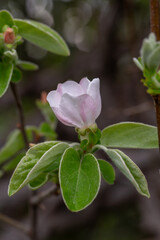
<point x="78" y="170"/>
<point x="37" y="33"/>
<point x="14" y="148"/>
<point x="149" y="62"/>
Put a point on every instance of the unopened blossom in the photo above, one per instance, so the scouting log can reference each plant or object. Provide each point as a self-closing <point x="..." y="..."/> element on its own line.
<point x="9" y="36"/>
<point x="76" y="105"/>
<point x="44" y="97"/>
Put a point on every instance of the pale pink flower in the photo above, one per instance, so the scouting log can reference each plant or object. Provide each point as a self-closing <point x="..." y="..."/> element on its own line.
<point x="76" y="105"/>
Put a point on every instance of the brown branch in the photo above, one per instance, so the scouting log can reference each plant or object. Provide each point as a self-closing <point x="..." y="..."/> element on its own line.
<point x="21" y="116"/>
<point x="155" y="28"/>
<point x="53" y="190"/>
<point x="155" y="18"/>
<point x="157" y="106"/>
<point x="15" y="224"/>
<point x="33" y="209"/>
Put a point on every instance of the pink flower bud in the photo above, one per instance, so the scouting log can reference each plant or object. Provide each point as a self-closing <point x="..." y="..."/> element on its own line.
<point x="76" y="105"/>
<point x="9" y="36"/>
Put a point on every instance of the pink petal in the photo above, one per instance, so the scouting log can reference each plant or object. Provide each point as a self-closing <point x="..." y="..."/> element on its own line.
<point x="54" y="98"/>
<point x="80" y="111"/>
<point x="62" y="118"/>
<point x="94" y="92"/>
<point x="72" y="88"/>
<point x="85" y="83"/>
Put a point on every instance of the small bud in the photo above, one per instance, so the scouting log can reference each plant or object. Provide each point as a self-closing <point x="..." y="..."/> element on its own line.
<point x="32" y="144"/>
<point x="44" y="97"/>
<point x="9" y="36"/>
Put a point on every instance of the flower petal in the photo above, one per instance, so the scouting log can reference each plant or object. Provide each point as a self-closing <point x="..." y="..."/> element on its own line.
<point x="60" y="116"/>
<point x="94" y="92"/>
<point x="72" y="88"/>
<point x="85" y="83"/>
<point x="80" y="111"/>
<point x="54" y="98"/>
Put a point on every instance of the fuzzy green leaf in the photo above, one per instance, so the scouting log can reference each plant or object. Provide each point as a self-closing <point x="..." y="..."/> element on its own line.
<point x="47" y="113"/>
<point x="5" y="19"/>
<point x="79" y="179"/>
<point x="107" y="171"/>
<point x="6" y="70"/>
<point x="42" y="36"/>
<point x="28" y="66"/>
<point x="38" y="181"/>
<point x="46" y="131"/>
<point x="16" y="76"/>
<point x="41" y="158"/>
<point x="130" y="135"/>
<point x="129" y="169"/>
<point x="15" y="143"/>
<point x="11" y="165"/>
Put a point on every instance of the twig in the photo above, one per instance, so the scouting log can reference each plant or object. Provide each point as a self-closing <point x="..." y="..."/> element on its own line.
<point x="154" y="18"/>
<point x="155" y="28"/>
<point x="157" y="106"/>
<point x="36" y="200"/>
<point x="15" y="224"/>
<point x="33" y="209"/>
<point x="21" y="116"/>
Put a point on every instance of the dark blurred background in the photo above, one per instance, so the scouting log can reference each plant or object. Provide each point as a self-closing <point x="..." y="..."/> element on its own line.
<point x="103" y="36"/>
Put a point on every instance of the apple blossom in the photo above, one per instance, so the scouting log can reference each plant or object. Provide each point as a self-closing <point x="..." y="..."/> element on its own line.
<point x="76" y="105"/>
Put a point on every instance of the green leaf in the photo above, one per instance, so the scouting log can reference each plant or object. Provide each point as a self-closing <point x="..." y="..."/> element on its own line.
<point x="38" y="181"/>
<point x="28" y="66"/>
<point x="41" y="158"/>
<point x="13" y="163"/>
<point x="5" y="19"/>
<point x="15" y="143"/>
<point x="145" y="51"/>
<point x="130" y="135"/>
<point x="6" y="70"/>
<point x="16" y="76"/>
<point x="47" y="113"/>
<point x="129" y="169"/>
<point x="107" y="171"/>
<point x="42" y="36"/>
<point x="153" y="60"/>
<point x="138" y="63"/>
<point x="79" y="179"/>
<point x="46" y="131"/>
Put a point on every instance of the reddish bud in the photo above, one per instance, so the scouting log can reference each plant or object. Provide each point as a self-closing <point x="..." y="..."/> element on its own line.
<point x="44" y="97"/>
<point x="9" y="36"/>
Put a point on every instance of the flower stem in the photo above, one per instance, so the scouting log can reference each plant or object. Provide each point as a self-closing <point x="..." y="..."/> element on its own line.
<point x="21" y="115"/>
<point x="33" y="208"/>
<point x="155" y="28"/>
